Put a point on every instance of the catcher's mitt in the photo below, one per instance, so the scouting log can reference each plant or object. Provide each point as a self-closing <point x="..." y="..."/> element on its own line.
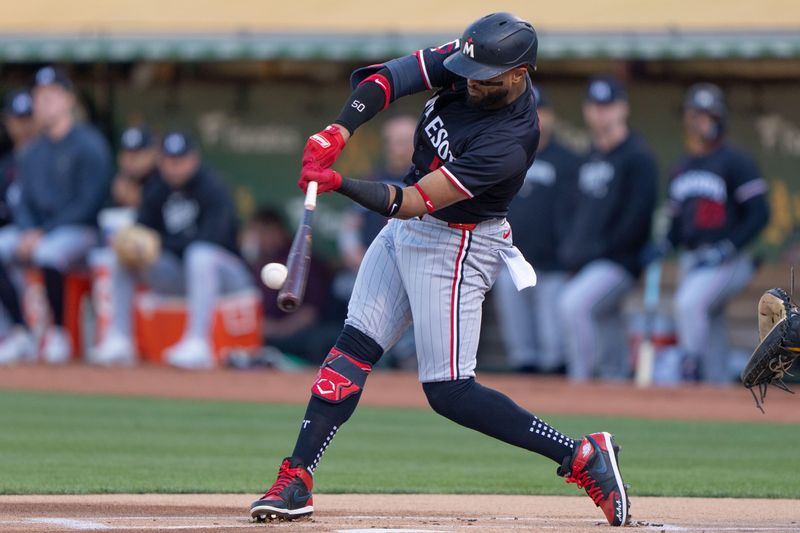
<point x="779" y="332"/>
<point x="137" y="246"/>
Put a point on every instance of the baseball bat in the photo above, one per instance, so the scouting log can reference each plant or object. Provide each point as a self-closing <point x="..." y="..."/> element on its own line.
<point x="290" y="297"/>
<point x="647" y="351"/>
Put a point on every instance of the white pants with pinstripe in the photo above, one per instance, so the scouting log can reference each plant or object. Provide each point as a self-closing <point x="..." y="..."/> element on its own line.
<point x="436" y="276"/>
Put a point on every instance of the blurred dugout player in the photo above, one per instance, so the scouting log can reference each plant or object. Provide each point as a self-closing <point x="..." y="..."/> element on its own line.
<point x="193" y="213"/>
<point x="64" y="177"/>
<point x="21" y="128"/>
<point x="718" y="205"/>
<point x="539" y="216"/>
<point x="136" y="163"/>
<point x="615" y="199"/>
<point x="136" y="167"/>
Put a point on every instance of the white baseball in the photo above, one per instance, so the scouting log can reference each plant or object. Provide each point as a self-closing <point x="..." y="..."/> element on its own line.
<point x="274" y="275"/>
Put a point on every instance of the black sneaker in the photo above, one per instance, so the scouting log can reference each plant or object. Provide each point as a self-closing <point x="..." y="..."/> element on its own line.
<point x="289" y="497"/>
<point x="594" y="467"/>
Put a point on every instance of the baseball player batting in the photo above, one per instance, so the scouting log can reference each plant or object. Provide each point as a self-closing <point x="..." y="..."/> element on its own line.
<point x="434" y="261"/>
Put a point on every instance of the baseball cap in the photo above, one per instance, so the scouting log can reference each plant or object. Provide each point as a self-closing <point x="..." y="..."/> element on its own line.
<point x="135" y="138"/>
<point x="19" y="104"/>
<point x="176" y="144"/>
<point x="542" y="101"/>
<point x="51" y="75"/>
<point x="605" y="90"/>
<point x="706" y="97"/>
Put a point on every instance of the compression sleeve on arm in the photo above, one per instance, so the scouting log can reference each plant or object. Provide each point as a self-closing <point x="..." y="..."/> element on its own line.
<point x="373" y="195"/>
<point x="370" y="97"/>
<point x="408" y="76"/>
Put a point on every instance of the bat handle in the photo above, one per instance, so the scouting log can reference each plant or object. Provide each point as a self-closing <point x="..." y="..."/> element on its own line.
<point x="311" y="195"/>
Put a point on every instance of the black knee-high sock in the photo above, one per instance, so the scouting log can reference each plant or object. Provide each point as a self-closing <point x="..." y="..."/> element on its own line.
<point x="323" y="419"/>
<point x="472" y="405"/>
<point x="9" y="297"/>
<point x="54" y="284"/>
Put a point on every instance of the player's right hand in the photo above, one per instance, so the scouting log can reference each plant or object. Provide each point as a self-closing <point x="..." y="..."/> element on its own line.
<point x="323" y="148"/>
<point x="327" y="179"/>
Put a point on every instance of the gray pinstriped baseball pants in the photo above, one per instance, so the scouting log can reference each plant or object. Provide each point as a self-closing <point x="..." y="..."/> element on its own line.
<point x="436" y="276"/>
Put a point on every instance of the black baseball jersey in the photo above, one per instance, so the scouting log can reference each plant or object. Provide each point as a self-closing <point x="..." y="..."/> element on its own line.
<point x="717" y="196"/>
<point x="614" y="204"/>
<point x="201" y="210"/>
<point x="484" y="153"/>
<point x="541" y="212"/>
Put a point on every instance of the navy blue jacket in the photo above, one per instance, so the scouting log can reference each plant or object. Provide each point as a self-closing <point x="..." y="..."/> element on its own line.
<point x="615" y="200"/>
<point x="201" y="210"/>
<point x="64" y="182"/>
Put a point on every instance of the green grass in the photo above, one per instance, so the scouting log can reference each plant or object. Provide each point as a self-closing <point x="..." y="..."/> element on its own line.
<point x="54" y="443"/>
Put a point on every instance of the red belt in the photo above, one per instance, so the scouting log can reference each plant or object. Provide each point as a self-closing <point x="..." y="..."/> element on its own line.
<point x="468" y="227"/>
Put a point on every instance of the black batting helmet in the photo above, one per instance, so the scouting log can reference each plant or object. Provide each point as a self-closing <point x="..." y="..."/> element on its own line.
<point x="708" y="98"/>
<point x="492" y="45"/>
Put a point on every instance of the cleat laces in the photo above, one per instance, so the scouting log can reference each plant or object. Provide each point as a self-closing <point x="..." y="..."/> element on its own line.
<point x="584" y="481"/>
<point x="284" y="478"/>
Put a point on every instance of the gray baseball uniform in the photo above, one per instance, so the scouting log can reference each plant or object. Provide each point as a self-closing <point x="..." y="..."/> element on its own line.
<point x="437" y="276"/>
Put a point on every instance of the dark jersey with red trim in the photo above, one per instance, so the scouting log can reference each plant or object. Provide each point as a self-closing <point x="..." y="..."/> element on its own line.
<point x="484" y="153"/>
<point x="717" y="196"/>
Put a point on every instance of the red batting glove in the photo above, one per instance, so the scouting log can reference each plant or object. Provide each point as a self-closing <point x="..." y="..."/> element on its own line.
<point x="324" y="147"/>
<point x="327" y="179"/>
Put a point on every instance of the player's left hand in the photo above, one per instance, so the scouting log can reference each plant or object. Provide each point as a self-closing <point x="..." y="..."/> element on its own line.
<point x="327" y="179"/>
<point x="323" y="148"/>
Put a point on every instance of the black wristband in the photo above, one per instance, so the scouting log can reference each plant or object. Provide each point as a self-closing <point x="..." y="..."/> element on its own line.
<point x="373" y="195"/>
<point x="394" y="205"/>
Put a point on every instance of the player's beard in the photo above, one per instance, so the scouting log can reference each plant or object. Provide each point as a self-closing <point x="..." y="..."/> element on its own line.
<point x="489" y="100"/>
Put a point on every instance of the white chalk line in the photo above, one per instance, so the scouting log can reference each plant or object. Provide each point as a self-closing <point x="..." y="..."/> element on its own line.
<point x="208" y="522"/>
<point x="70" y="523"/>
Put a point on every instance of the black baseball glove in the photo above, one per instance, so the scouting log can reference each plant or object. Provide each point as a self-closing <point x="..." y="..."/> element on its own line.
<point x="779" y="331"/>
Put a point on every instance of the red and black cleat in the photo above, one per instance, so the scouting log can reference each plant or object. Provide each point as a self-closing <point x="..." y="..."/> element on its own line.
<point x="289" y="497"/>
<point x="594" y="467"/>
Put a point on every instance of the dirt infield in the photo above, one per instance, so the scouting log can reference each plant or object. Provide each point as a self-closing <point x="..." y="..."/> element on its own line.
<point x="400" y="389"/>
<point x="397" y="513"/>
<point x="376" y="513"/>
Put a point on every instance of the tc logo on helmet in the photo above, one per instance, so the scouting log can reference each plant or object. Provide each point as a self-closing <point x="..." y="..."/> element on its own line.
<point x="469" y="48"/>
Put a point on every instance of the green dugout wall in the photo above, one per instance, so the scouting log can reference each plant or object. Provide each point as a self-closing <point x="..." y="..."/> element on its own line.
<point x="254" y="132"/>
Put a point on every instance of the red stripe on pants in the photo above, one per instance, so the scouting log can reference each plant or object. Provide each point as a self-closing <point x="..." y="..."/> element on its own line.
<point x="453" y="309"/>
